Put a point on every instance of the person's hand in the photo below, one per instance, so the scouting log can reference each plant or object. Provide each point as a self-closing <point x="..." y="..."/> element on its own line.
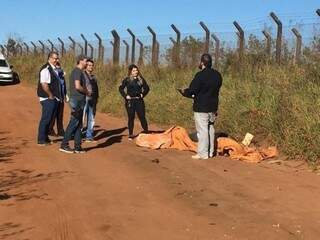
<point x="89" y="93"/>
<point x="128" y="97"/>
<point x="51" y="97"/>
<point x="180" y="90"/>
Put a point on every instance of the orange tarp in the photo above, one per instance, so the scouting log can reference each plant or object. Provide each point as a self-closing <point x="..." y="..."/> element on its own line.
<point x="177" y="138"/>
<point x="174" y="137"/>
<point x="238" y="151"/>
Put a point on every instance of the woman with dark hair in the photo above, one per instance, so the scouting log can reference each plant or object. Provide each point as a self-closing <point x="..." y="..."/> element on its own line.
<point x="133" y="89"/>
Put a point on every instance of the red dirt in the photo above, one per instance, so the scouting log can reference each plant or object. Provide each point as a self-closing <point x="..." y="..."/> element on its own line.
<point x="119" y="191"/>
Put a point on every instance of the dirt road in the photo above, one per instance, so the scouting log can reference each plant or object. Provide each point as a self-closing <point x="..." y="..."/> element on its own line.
<point x="121" y="192"/>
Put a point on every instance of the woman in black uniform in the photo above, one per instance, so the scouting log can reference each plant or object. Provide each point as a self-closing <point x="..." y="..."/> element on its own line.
<point x="133" y="89"/>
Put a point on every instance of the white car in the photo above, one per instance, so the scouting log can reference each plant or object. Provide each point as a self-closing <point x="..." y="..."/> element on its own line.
<point x="5" y="71"/>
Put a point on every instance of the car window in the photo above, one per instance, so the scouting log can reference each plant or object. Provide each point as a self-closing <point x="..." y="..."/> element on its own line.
<point x="3" y="63"/>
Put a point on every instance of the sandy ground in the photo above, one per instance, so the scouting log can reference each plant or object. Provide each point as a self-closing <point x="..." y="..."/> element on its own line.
<point x="120" y="191"/>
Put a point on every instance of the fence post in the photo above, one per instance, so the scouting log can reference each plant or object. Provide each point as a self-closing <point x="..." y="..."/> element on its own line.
<point x="157" y="52"/>
<point x="116" y="47"/>
<point x="140" y="60"/>
<point x="2" y="49"/>
<point x="217" y="50"/>
<point x="19" y="49"/>
<point x="73" y="45"/>
<point x="177" y="45"/>
<point x="81" y="48"/>
<point x="43" y="47"/>
<point x="27" y="47"/>
<point x="154" y="60"/>
<point x="298" y="45"/>
<point x="268" y="43"/>
<point x="91" y="50"/>
<point x="318" y="12"/>
<point x="207" y="42"/>
<point x="34" y="47"/>
<point x="279" y="37"/>
<point x="85" y="44"/>
<point x="100" y="48"/>
<point x="52" y="46"/>
<point x="240" y="34"/>
<point x="173" y="55"/>
<point x="133" y="46"/>
<point x="127" y="51"/>
<point x="62" y="47"/>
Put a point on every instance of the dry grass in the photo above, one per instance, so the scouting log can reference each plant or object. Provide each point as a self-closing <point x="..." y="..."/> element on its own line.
<point x="278" y="104"/>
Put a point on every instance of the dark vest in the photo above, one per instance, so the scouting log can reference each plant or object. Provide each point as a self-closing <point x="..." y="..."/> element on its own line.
<point x="54" y="85"/>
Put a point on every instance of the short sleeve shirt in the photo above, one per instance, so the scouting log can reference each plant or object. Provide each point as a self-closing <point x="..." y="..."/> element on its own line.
<point x="77" y="74"/>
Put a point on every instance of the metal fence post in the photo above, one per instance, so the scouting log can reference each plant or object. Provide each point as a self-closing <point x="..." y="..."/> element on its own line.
<point x="133" y="46"/>
<point x="27" y="47"/>
<point x="52" y="46"/>
<point x="2" y="49"/>
<point x="217" y="50"/>
<point x="81" y="48"/>
<point x="42" y="47"/>
<point x="154" y="60"/>
<point x="279" y="37"/>
<point x="241" y="40"/>
<point x="173" y="55"/>
<point x="116" y="47"/>
<point x="127" y="52"/>
<point x="176" y="52"/>
<point x="34" y="47"/>
<point x="91" y="50"/>
<point x="140" y="60"/>
<point x="157" y="52"/>
<point x="73" y="45"/>
<point x="19" y="47"/>
<point x="85" y="44"/>
<point x="100" y="48"/>
<point x="62" y="47"/>
<point x="207" y="42"/>
<point x="298" y="45"/>
<point x="268" y="42"/>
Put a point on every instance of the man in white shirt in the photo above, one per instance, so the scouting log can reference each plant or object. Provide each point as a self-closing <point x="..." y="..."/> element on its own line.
<point x="49" y="93"/>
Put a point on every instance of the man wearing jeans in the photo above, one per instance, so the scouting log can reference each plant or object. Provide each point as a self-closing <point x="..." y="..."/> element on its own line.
<point x="49" y="94"/>
<point x="78" y="93"/>
<point x="204" y="89"/>
<point x="91" y="101"/>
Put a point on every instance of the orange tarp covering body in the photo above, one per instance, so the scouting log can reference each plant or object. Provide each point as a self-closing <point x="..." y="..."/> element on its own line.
<point x="174" y="137"/>
<point x="177" y="138"/>
<point x="238" y="151"/>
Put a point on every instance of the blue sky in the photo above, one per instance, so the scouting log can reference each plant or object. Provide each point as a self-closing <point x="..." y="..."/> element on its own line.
<point x="34" y="19"/>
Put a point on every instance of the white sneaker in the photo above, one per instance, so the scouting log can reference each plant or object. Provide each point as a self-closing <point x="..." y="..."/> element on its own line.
<point x="198" y="157"/>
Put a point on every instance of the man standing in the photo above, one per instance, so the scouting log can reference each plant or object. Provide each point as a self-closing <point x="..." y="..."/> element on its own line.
<point x="204" y="89"/>
<point x="49" y="94"/>
<point x="78" y="93"/>
<point x="58" y="115"/>
<point x="91" y="101"/>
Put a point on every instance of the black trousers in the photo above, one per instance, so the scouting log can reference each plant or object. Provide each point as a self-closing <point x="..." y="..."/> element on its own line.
<point x="57" y="117"/>
<point x="136" y="106"/>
